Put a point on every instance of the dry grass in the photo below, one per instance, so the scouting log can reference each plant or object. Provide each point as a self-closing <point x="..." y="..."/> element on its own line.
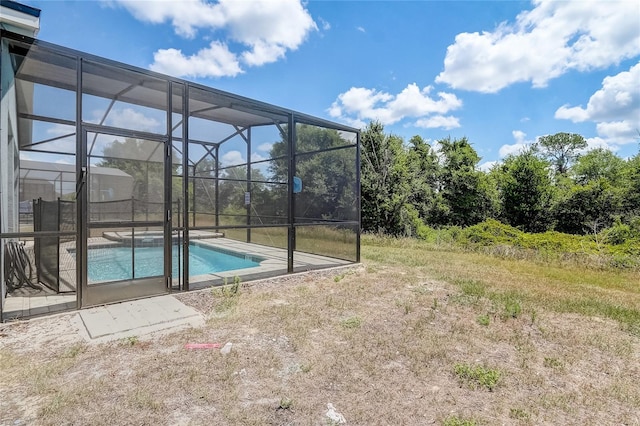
<point x="391" y="342"/>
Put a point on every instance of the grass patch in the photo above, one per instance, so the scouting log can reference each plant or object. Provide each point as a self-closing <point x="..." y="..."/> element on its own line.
<point x="458" y="421"/>
<point x="405" y="305"/>
<point x="483" y="320"/>
<point x="551" y="362"/>
<point x="285" y="404"/>
<point x="75" y="350"/>
<point x="519" y="414"/>
<point x="477" y="376"/>
<point x="130" y="341"/>
<point x="351" y="322"/>
<point x="511" y="305"/>
<point x="471" y="288"/>
<point x="227" y="295"/>
<point x="567" y="288"/>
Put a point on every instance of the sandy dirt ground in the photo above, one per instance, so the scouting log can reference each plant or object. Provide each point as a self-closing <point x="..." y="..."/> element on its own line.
<point x="368" y="345"/>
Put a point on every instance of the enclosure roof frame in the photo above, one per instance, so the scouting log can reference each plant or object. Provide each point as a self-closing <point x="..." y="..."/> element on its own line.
<point x="234" y="102"/>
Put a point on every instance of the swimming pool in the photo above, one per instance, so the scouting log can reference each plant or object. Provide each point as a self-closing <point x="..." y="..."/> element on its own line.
<point x="115" y="263"/>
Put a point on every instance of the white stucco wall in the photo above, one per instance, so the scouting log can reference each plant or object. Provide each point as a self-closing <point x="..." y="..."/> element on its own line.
<point x="25" y="24"/>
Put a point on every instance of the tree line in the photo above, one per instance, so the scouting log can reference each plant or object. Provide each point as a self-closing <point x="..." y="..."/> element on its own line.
<point x="552" y="185"/>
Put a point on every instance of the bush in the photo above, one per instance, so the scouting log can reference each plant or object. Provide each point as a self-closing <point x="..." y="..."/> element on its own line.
<point x="491" y="231"/>
<point x="617" y="247"/>
<point x="619" y="233"/>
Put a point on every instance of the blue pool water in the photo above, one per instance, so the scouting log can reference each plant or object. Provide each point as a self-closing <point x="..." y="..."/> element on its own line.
<point x="114" y="263"/>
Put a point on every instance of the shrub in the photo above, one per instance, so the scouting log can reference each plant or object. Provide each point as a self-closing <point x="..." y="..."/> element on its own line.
<point x="619" y="233"/>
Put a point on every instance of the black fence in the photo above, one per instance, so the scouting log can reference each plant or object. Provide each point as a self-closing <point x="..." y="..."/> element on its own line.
<point x="60" y="216"/>
<point x="125" y="210"/>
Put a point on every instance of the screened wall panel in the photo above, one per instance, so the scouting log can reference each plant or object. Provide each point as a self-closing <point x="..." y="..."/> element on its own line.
<point x="124" y="99"/>
<point x="269" y="203"/>
<point x="125" y="178"/>
<point x="203" y="202"/>
<point x="329" y="186"/>
<point x="340" y="241"/>
<point x="310" y="138"/>
<point x="273" y="236"/>
<point x="122" y="254"/>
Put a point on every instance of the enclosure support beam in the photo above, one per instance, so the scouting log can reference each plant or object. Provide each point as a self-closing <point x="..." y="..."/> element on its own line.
<point x="248" y="205"/>
<point x="291" y="234"/>
<point x="217" y="187"/>
<point x="358" y="197"/>
<point x="81" y="199"/>
<point x="168" y="202"/>
<point x="185" y="185"/>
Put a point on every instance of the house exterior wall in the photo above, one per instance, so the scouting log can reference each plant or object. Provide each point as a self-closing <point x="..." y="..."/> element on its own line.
<point x="23" y="20"/>
<point x="8" y="158"/>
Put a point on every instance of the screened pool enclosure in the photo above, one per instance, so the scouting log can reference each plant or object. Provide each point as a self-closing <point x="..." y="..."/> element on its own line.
<point x="119" y="183"/>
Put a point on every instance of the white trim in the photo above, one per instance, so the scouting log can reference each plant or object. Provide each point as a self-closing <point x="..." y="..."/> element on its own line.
<point x="20" y="20"/>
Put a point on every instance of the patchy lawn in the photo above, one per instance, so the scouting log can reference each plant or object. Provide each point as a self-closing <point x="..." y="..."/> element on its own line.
<point x="412" y="336"/>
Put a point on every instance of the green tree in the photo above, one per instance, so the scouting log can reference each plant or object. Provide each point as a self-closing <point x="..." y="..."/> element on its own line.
<point x="141" y="159"/>
<point x="561" y="149"/>
<point x="267" y="201"/>
<point x="526" y="192"/>
<point x="631" y="187"/>
<point x="328" y="178"/>
<point x="424" y="174"/>
<point x="587" y="208"/>
<point x="597" y="164"/>
<point x="385" y="182"/>
<point x="464" y="187"/>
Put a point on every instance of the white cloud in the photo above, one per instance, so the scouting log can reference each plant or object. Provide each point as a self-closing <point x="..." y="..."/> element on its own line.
<point x="358" y="105"/>
<point x="60" y="129"/>
<point x="615" y="108"/>
<point x="487" y="165"/>
<point x="232" y="158"/>
<point x="255" y="157"/>
<point x="439" y="121"/>
<point x="263" y="53"/>
<point x="186" y="16"/>
<point x="214" y="61"/>
<point x="265" y="147"/>
<point x="615" y="129"/>
<point x="598" y="142"/>
<point x="326" y="26"/>
<point x="236" y="158"/>
<point x="544" y="43"/>
<point x="130" y="119"/>
<point x="266" y="30"/>
<point x="361" y="29"/>
<point x="514" y="149"/>
<point x="519" y="136"/>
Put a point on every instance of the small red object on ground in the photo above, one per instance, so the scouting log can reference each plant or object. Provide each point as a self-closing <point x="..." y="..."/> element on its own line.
<point x="202" y="345"/>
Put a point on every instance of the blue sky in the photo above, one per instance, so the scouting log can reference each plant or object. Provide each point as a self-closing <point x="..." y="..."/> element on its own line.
<point x="501" y="73"/>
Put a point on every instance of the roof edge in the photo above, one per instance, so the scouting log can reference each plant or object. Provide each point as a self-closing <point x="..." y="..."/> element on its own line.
<point x="29" y="10"/>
